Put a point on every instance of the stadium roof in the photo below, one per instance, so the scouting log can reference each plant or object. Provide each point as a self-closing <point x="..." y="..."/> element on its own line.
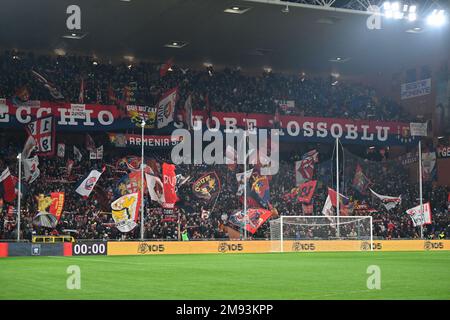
<point x="264" y="36"/>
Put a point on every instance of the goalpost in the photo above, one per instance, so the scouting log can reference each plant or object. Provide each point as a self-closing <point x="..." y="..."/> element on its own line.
<point x="304" y="228"/>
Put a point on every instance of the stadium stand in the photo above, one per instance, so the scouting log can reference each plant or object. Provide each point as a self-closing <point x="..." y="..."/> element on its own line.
<point x="223" y="91"/>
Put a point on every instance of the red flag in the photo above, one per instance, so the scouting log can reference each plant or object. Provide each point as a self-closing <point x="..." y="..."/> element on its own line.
<point x="255" y="218"/>
<point x="343" y="199"/>
<point x="306" y="191"/>
<point x="448" y="201"/>
<point x="169" y="183"/>
<point x="343" y="202"/>
<point x="8" y="186"/>
<point x="57" y="204"/>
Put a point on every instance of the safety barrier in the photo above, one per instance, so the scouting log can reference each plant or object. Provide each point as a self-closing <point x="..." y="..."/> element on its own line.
<point x="84" y="248"/>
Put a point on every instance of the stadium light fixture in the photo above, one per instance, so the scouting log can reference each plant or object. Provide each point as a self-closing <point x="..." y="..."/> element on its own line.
<point x="398" y="11"/>
<point x="415" y="30"/>
<point x="387" y="10"/>
<point x="176" y="44"/>
<point x="412" y="15"/>
<point x="75" y="35"/>
<point x="437" y="18"/>
<point x="237" y="9"/>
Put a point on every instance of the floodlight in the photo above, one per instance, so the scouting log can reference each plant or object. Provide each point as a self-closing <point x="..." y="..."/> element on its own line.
<point x="436" y="18"/>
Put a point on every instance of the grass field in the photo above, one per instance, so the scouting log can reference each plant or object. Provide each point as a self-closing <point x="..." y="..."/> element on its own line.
<point x="404" y="275"/>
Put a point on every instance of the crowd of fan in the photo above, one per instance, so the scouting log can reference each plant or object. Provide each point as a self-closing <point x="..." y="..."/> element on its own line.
<point x="91" y="219"/>
<point x="227" y="90"/>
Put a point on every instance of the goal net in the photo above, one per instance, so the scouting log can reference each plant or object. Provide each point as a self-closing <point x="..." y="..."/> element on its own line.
<point x="307" y="228"/>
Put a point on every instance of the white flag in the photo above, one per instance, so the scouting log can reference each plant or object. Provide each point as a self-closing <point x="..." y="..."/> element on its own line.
<point x="87" y="185"/>
<point x="125" y="212"/>
<point x="61" y="150"/>
<point x="166" y="108"/>
<point x="29" y="146"/>
<point x="30" y="169"/>
<point x="155" y="188"/>
<point x="420" y="218"/>
<point x="418" y="129"/>
<point x="328" y="207"/>
<point x="304" y="169"/>
<point x="388" y="201"/>
<point x="96" y="154"/>
<point x="240" y="178"/>
<point x="77" y="154"/>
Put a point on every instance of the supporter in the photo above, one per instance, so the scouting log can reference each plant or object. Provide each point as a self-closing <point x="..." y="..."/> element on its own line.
<point x="227" y="90"/>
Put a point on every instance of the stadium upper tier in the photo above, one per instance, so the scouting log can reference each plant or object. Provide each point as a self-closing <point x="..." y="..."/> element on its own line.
<point x="27" y="76"/>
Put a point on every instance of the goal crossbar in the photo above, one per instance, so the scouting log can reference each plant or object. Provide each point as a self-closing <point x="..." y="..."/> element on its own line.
<point x="278" y="232"/>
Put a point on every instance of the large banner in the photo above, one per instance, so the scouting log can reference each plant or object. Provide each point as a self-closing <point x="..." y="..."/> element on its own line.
<point x="169" y="183"/>
<point x="53" y="204"/>
<point x="207" y="186"/>
<point x="86" y="186"/>
<point x="419" y="217"/>
<point x="43" y="132"/>
<point x="82" y="117"/>
<point x="139" y="113"/>
<point x="125" y="212"/>
<point x="254" y="219"/>
<point x="443" y="152"/>
<point x="166" y="108"/>
<point x="125" y="140"/>
<point x="415" y="89"/>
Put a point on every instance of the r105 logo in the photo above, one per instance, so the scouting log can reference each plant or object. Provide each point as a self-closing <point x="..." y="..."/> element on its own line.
<point x="302" y="246"/>
<point x="433" y="245"/>
<point x="365" y="246"/>
<point x="144" y="248"/>
<point x="224" y="247"/>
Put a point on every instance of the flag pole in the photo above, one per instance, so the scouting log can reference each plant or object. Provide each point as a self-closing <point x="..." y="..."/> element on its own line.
<point x="19" y="196"/>
<point x="337" y="188"/>
<point x="245" y="185"/>
<point x="420" y="186"/>
<point x="142" y="179"/>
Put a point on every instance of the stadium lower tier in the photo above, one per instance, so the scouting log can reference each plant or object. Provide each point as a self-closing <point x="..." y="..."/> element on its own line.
<point x="210" y="247"/>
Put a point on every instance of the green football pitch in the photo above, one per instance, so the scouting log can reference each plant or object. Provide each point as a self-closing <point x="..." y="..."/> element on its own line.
<point x="404" y="275"/>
